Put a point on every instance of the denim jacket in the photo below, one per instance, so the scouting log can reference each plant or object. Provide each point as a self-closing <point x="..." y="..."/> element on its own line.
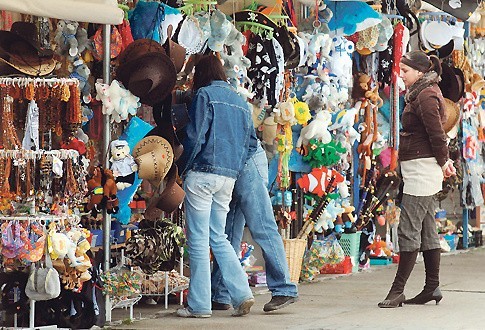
<point x="220" y="135"/>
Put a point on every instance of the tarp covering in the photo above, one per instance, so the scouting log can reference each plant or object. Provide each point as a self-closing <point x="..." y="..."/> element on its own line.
<point x="93" y="11"/>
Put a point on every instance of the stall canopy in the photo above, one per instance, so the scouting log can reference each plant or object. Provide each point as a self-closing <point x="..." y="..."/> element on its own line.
<point x="94" y="11"/>
<point x="467" y="7"/>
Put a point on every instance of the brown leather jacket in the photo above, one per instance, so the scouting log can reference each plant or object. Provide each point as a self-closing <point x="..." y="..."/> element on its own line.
<point x="422" y="133"/>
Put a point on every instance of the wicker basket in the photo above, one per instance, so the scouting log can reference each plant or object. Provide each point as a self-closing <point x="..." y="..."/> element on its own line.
<point x="295" y="249"/>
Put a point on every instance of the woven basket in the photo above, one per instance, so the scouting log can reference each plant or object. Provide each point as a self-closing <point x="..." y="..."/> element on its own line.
<point x="295" y="249"/>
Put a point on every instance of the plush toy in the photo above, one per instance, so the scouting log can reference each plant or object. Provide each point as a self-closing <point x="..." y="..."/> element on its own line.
<point x="340" y="60"/>
<point x="284" y="113"/>
<point x="110" y="190"/>
<point x="317" y="129"/>
<point x="81" y="72"/>
<point x="348" y="219"/>
<point x="326" y="220"/>
<point x="351" y="16"/>
<point x="122" y="164"/>
<point x="70" y="39"/>
<point x="220" y="29"/>
<point x="102" y="94"/>
<point x="235" y="63"/>
<point x="117" y="101"/>
<point x="379" y="248"/>
<point x="96" y="193"/>
<point x="317" y="180"/>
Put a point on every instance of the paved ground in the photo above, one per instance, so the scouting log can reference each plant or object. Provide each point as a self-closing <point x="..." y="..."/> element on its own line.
<point x="350" y="302"/>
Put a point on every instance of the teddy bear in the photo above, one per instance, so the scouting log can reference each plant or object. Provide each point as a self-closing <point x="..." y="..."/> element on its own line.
<point x="81" y="72"/>
<point x="110" y="190"/>
<point x="123" y="164"/>
<point x="95" y="191"/>
<point x="70" y="39"/>
<point x="316" y="129"/>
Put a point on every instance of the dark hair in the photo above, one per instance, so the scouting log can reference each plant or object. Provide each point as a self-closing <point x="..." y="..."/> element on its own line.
<point x="420" y="61"/>
<point x="208" y="69"/>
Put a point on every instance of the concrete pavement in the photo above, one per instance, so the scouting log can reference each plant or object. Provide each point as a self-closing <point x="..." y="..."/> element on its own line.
<point x="350" y="302"/>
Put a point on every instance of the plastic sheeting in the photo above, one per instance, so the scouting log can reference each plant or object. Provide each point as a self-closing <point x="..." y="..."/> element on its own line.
<point x="93" y="11"/>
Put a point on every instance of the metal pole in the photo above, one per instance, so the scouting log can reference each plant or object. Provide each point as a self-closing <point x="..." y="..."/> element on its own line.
<point x="105" y="162"/>
<point x="465" y="228"/>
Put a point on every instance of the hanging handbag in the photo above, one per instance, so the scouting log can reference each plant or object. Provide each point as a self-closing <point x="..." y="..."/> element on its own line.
<point x="43" y="282"/>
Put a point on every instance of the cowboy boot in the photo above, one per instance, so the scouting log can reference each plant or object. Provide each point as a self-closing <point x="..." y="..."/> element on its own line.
<point x="431" y="290"/>
<point x="395" y="297"/>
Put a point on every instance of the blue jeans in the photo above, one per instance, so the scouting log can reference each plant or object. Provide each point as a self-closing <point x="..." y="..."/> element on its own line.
<point x="251" y="204"/>
<point x="206" y="205"/>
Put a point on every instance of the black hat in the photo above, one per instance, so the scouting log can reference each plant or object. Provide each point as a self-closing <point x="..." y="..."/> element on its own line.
<point x="452" y="83"/>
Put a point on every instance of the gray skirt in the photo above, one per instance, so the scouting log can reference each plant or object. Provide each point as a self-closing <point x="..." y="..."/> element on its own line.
<point x="417" y="226"/>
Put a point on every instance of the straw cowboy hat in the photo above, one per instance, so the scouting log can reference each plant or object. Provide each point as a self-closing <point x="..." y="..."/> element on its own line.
<point x="154" y="156"/>
<point x="146" y="71"/>
<point x="21" y="50"/>
<point x="452" y="111"/>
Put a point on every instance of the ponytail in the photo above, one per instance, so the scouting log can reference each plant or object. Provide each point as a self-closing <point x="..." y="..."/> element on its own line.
<point x="435" y="64"/>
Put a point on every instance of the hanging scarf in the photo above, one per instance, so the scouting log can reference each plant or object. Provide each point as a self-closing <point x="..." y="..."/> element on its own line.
<point x="428" y="79"/>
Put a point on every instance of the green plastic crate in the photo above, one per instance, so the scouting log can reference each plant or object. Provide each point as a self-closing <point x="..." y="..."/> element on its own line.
<point x="350" y="243"/>
<point x="380" y="261"/>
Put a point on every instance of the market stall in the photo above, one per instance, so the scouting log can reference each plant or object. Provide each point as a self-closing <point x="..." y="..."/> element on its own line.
<point x="327" y="100"/>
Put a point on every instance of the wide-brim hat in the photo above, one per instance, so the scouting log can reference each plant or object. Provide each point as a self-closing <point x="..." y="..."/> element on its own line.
<point x="154" y="156"/>
<point x="452" y="113"/>
<point x="444" y="51"/>
<point x="172" y="195"/>
<point x="20" y="49"/>
<point x="146" y="71"/>
<point x="175" y="51"/>
<point x="452" y="83"/>
<point x="23" y="37"/>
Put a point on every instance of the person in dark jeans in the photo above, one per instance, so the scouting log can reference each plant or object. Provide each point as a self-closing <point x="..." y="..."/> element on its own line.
<point x="251" y="205"/>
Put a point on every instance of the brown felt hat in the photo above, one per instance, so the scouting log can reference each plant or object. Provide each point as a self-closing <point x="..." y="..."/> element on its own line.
<point x="146" y="71"/>
<point x="21" y="50"/>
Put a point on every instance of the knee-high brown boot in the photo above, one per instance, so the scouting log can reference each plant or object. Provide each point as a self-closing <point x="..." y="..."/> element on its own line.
<point x="431" y="290"/>
<point x="395" y="297"/>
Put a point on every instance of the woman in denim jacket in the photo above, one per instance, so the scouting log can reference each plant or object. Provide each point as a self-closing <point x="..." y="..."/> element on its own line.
<point x="217" y="147"/>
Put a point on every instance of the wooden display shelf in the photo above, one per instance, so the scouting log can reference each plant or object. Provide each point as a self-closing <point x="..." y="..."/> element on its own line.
<point x="113" y="247"/>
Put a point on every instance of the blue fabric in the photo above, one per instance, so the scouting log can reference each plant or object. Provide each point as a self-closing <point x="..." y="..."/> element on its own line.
<point x="134" y="132"/>
<point x="145" y="20"/>
<point x="206" y="205"/>
<point x="348" y="15"/>
<point x="220" y="132"/>
<point x="251" y="205"/>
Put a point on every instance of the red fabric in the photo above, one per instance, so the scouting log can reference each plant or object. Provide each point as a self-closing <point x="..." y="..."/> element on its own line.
<point x="75" y="144"/>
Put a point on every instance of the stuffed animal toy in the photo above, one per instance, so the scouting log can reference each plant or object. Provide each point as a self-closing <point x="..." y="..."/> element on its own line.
<point x="110" y="190"/>
<point x="220" y="29"/>
<point x="317" y="180"/>
<point x="102" y="94"/>
<point x="70" y="39"/>
<point x="123" y="165"/>
<point x="235" y="63"/>
<point x="117" y="101"/>
<point x="284" y="113"/>
<point x="326" y="221"/>
<point x="348" y="219"/>
<point x="317" y="129"/>
<point x="379" y="248"/>
<point x="351" y="16"/>
<point x="340" y="60"/>
<point x="81" y="72"/>
<point x="96" y="193"/>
